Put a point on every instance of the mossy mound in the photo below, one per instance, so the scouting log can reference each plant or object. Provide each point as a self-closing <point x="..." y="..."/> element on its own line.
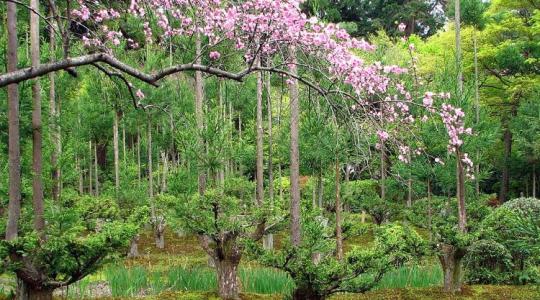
<point x="476" y="292"/>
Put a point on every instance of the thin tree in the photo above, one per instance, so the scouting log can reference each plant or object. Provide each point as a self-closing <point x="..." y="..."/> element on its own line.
<point x="294" y="149"/>
<point x="37" y="140"/>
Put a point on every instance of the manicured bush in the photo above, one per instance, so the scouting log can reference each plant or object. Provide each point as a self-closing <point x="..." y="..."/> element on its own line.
<point x="488" y="262"/>
<point x="516" y="226"/>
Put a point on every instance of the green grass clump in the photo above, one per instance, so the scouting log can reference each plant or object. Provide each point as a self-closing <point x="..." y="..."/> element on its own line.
<point x="412" y="276"/>
<point x="265" y="281"/>
<point x="126" y="281"/>
<point x="191" y="279"/>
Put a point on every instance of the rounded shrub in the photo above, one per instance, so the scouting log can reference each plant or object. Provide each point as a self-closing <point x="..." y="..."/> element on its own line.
<point x="488" y="262"/>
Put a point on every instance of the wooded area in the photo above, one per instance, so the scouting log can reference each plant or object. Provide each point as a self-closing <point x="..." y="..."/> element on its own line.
<point x="264" y="149"/>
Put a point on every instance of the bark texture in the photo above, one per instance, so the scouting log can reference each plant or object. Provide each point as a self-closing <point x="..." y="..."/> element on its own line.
<point x="199" y="114"/>
<point x="294" y="151"/>
<point x="451" y="262"/>
<point x="339" y="238"/>
<point x="37" y="140"/>
<point x="14" y="151"/>
<point x="259" y="134"/>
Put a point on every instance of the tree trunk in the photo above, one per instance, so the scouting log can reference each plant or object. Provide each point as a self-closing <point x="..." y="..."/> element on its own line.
<point x="116" y="152"/>
<point x="534" y="181"/>
<point x="268" y="240"/>
<point x="409" y="184"/>
<point x="505" y="182"/>
<point x="165" y="160"/>
<point x="457" y="22"/>
<point x="462" y="213"/>
<point x="96" y="170"/>
<point x="134" y="247"/>
<point x="150" y="172"/>
<point x="259" y="195"/>
<point x="295" y="155"/>
<point x="199" y="114"/>
<point x="228" y="281"/>
<point x="124" y="140"/>
<point x="306" y="293"/>
<point x="55" y="125"/>
<point x="383" y="172"/>
<point x="14" y="150"/>
<point x="80" y="172"/>
<point x="139" y="175"/>
<point x="90" y="166"/>
<point x="320" y="188"/>
<point x="37" y="140"/>
<point x="270" y="140"/>
<point x="477" y="112"/>
<point x="339" y="238"/>
<point x="429" y="210"/>
<point x="346" y="206"/>
<point x="27" y="292"/>
<point x="159" y="232"/>
<point x="450" y="259"/>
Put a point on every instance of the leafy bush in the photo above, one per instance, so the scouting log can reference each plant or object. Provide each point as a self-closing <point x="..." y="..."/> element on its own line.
<point x="516" y="226"/>
<point x="379" y="210"/>
<point x="359" y="271"/>
<point x="82" y="234"/>
<point x="488" y="262"/>
<point x="357" y="192"/>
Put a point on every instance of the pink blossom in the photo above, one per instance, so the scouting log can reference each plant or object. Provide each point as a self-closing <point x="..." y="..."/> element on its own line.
<point x="401" y="27"/>
<point x="139" y="94"/>
<point x="214" y="55"/>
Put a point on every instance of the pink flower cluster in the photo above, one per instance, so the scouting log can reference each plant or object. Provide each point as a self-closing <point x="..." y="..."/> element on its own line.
<point x="267" y="28"/>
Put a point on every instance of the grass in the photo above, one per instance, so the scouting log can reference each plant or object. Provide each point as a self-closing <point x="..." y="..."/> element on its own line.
<point x="134" y="281"/>
<point x="126" y="281"/>
<point x="412" y="276"/>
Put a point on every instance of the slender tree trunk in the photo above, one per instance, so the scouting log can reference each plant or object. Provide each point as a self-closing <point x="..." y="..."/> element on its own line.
<point x="320" y="186"/>
<point x="339" y="238"/>
<point x="80" y="173"/>
<point x="477" y="112"/>
<point x="295" y="155"/>
<point x="14" y="151"/>
<point x="199" y="114"/>
<point x="462" y="214"/>
<point x="90" y="166"/>
<point x="314" y="193"/>
<point x="139" y="175"/>
<point x="383" y="172"/>
<point x="54" y="124"/>
<point x="505" y="182"/>
<point x="534" y="181"/>
<point x="116" y="152"/>
<point x="457" y="23"/>
<point x="429" y="212"/>
<point x="37" y="140"/>
<point x="346" y="206"/>
<point x="165" y="160"/>
<point x="259" y="195"/>
<point x="270" y="140"/>
<point x="124" y="140"/>
<point x="96" y="170"/>
<point x="409" y="192"/>
<point x="150" y="172"/>
<point x="158" y="223"/>
<point x="268" y="240"/>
